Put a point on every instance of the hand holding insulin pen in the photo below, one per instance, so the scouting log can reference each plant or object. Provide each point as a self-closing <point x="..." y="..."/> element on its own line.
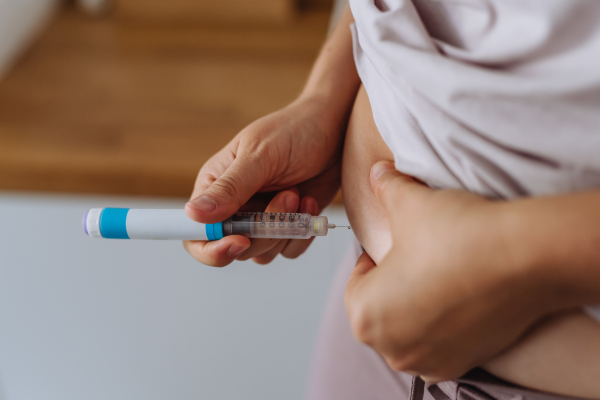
<point x="162" y="224"/>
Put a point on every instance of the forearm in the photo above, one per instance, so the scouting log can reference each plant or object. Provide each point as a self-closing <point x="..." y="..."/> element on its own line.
<point x="558" y="240"/>
<point x="334" y="77"/>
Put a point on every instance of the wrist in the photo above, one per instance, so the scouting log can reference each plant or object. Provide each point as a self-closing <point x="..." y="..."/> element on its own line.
<point x="335" y="102"/>
<point x="329" y="116"/>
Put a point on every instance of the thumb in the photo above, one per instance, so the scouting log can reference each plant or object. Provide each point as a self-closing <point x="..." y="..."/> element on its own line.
<point x="392" y="187"/>
<point x="356" y="295"/>
<point x="224" y="197"/>
<point x="364" y="265"/>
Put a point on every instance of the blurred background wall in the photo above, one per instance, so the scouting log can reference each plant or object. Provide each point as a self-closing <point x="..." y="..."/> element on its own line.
<point x="20" y="21"/>
<point x="119" y="104"/>
<point x="128" y="105"/>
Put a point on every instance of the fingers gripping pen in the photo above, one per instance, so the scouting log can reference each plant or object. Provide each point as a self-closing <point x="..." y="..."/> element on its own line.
<point x="125" y="223"/>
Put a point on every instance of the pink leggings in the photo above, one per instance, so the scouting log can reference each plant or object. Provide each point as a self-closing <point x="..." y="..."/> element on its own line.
<point x="343" y="368"/>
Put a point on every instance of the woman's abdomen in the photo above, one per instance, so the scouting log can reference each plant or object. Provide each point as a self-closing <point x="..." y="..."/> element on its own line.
<point x="363" y="148"/>
<point x="557" y="356"/>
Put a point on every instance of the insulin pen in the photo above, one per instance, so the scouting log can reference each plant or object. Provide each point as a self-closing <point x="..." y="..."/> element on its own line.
<point x="161" y="224"/>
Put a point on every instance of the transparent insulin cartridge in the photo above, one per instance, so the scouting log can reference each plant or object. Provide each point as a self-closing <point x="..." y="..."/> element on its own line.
<point x="125" y="223"/>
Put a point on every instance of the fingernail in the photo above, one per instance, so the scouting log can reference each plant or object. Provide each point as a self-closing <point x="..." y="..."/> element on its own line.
<point x="290" y="204"/>
<point x="381" y="168"/>
<point x="204" y="203"/>
<point x="236" y="250"/>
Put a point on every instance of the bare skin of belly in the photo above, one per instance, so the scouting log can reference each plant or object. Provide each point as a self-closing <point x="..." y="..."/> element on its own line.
<point x="363" y="147"/>
<point x="560" y="355"/>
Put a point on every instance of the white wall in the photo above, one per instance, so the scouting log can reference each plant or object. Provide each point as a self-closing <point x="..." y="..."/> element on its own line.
<point x="20" y="21"/>
<point x="84" y="318"/>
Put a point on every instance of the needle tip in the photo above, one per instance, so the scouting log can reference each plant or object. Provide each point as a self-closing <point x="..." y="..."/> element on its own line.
<point x="333" y="226"/>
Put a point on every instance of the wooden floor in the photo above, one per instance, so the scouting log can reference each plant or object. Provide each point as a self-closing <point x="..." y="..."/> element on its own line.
<point x="101" y="107"/>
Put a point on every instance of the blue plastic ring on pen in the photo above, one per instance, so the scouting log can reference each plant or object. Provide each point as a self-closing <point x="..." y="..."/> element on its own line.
<point x="214" y="231"/>
<point x="209" y="232"/>
<point x="113" y="223"/>
<point x="218" y="230"/>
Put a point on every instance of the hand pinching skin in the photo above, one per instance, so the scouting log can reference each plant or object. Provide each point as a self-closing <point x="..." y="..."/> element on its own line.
<point x="448" y="296"/>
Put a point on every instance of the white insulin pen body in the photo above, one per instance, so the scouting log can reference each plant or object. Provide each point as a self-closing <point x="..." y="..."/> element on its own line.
<point x="160" y="224"/>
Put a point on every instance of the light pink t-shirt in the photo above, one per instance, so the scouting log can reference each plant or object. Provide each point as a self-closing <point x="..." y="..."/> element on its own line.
<point x="498" y="97"/>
